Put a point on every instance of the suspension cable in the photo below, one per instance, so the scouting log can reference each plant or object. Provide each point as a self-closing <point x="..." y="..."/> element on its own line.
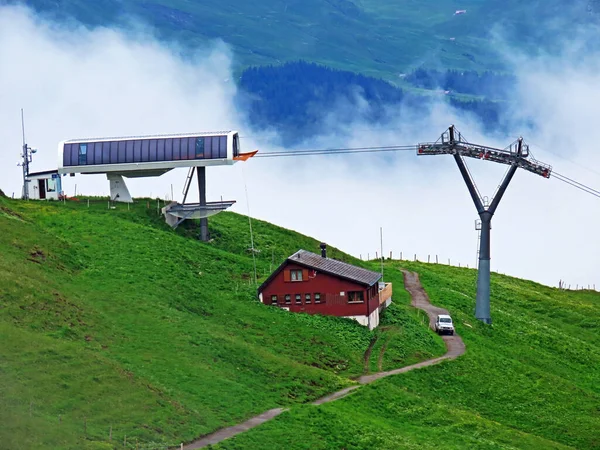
<point x="399" y="148"/>
<point x="332" y="151"/>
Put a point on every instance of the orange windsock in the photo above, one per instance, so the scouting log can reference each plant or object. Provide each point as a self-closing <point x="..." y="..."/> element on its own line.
<point x="245" y="156"/>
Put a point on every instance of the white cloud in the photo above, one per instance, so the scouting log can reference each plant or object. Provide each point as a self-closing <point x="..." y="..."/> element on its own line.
<point x="76" y="82"/>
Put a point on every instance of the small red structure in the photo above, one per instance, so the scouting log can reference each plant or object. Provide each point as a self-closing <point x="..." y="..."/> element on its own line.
<point x="307" y="282"/>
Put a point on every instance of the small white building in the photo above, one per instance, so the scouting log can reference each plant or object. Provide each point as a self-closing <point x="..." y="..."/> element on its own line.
<point x="44" y="185"/>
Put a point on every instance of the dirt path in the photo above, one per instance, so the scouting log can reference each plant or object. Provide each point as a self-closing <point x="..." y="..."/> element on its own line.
<point x="420" y="300"/>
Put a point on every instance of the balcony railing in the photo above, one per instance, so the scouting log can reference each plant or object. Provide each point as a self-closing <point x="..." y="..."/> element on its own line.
<point x="385" y="294"/>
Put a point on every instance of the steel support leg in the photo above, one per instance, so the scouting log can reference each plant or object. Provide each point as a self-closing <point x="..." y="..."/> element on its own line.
<point x="201" y="172"/>
<point x="482" y="302"/>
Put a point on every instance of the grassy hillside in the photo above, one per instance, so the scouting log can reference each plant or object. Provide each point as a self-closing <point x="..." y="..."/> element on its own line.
<point x="382" y="38"/>
<point x="530" y="381"/>
<point x="109" y="320"/>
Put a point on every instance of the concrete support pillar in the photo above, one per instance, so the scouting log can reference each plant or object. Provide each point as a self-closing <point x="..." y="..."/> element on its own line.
<point x="201" y="172"/>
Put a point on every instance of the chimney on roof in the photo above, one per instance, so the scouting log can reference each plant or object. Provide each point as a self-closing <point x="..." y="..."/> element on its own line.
<point x="323" y="249"/>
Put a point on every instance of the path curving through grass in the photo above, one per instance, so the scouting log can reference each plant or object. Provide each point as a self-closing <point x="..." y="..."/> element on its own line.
<point x="420" y="300"/>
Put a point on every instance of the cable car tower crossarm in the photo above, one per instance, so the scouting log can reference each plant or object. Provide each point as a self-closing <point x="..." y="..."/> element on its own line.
<point x="516" y="156"/>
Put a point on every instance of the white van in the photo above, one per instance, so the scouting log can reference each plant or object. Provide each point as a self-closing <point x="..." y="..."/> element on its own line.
<point x="443" y="324"/>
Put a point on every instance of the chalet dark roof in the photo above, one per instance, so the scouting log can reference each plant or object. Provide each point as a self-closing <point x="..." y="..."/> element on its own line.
<point x="330" y="266"/>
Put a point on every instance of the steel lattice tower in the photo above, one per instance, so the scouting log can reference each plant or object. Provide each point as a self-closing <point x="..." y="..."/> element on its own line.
<point x="515" y="155"/>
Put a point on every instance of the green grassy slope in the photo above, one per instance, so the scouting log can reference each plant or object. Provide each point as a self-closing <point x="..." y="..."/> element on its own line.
<point x="376" y="37"/>
<point x="110" y="319"/>
<point x="532" y="380"/>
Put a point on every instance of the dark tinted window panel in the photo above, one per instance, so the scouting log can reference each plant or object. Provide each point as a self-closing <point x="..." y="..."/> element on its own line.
<point x="106" y="153"/>
<point x="153" y="148"/>
<point x="114" y="152"/>
<point x="200" y="147"/>
<point x="183" y="154"/>
<point x="215" y="147"/>
<point x="176" y="149"/>
<point x="90" y="153"/>
<point x="207" y="147"/>
<point x="97" y="152"/>
<point x="160" y="151"/>
<point x="137" y="151"/>
<point x="236" y="145"/>
<point x="75" y="154"/>
<point x="129" y="151"/>
<point x="66" y="155"/>
<point x="223" y="147"/>
<point x="121" y="154"/>
<point x="168" y="149"/>
<point x="191" y="148"/>
<point x="145" y="150"/>
<point x="83" y="154"/>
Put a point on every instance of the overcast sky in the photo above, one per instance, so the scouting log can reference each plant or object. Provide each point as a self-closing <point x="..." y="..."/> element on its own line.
<point x="75" y="82"/>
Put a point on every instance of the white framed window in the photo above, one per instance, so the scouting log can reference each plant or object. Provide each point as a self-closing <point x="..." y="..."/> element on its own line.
<point x="50" y="185"/>
<point x="296" y="275"/>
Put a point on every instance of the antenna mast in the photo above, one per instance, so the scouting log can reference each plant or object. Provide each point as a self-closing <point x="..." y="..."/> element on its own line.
<point x="26" y="155"/>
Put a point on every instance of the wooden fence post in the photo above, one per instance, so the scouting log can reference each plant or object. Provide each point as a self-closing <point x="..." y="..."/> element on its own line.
<point x="110" y="434"/>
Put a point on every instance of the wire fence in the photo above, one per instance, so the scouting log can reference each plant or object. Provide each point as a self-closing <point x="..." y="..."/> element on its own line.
<point x="431" y="259"/>
<point x="436" y="259"/>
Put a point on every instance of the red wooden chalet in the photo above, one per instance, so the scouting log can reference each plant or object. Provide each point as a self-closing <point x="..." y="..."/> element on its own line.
<point x="307" y="282"/>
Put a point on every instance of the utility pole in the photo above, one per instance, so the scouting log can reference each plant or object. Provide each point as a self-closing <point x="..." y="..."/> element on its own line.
<point x="381" y="243"/>
<point x="516" y="155"/>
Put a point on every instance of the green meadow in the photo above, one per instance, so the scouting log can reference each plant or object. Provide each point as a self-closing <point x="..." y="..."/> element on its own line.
<point x="116" y="329"/>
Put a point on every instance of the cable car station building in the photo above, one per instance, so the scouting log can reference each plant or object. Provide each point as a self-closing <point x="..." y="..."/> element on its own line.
<point x="148" y="156"/>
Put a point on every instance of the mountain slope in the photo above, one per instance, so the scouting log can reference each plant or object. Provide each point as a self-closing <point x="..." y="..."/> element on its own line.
<point x="110" y="319"/>
<point x="375" y="37"/>
<point x="532" y="380"/>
